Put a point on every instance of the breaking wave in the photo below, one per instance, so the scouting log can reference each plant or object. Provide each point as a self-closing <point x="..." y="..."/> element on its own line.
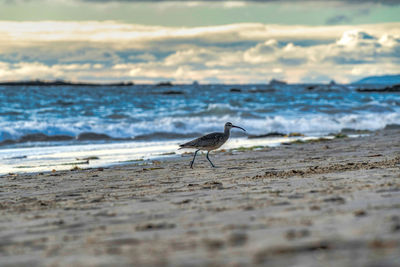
<point x="137" y="114"/>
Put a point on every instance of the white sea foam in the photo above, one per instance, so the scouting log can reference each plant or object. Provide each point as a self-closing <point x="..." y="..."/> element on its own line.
<point x="307" y="124"/>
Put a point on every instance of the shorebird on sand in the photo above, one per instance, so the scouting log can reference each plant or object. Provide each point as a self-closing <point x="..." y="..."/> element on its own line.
<point x="209" y="142"/>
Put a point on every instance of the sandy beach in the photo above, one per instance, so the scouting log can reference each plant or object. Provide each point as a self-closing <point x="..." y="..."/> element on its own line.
<point x="329" y="203"/>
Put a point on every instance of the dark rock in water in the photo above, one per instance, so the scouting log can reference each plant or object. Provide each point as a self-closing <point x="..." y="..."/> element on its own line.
<point x="273" y="134"/>
<point x="37" y="137"/>
<point x="390" y="89"/>
<point x="92" y="136"/>
<point x="171" y="92"/>
<point x="117" y="116"/>
<point x="40" y="137"/>
<point x="7" y="142"/>
<point x="392" y="127"/>
<point x="64" y="103"/>
<point x="164" y="84"/>
<point x="277" y="82"/>
<point x="235" y="90"/>
<point x="59" y="138"/>
<point x="311" y="87"/>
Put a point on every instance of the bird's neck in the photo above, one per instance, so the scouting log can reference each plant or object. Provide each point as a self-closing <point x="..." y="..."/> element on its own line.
<point x="227" y="131"/>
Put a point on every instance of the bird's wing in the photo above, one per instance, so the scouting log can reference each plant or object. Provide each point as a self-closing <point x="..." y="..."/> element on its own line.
<point x="208" y="140"/>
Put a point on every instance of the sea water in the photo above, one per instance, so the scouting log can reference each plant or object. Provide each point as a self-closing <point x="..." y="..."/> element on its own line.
<point x="59" y="127"/>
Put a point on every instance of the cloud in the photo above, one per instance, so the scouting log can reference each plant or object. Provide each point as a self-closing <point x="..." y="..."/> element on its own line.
<point x="358" y="47"/>
<point x="234" y="53"/>
<point x="355" y="37"/>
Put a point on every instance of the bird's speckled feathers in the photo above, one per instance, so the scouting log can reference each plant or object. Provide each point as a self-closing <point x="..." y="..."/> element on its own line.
<point x="207" y="142"/>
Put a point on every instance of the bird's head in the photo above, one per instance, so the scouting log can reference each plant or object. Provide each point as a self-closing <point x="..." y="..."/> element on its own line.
<point x="229" y="126"/>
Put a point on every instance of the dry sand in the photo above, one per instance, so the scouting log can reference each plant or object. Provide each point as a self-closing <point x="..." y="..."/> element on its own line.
<point x="332" y="203"/>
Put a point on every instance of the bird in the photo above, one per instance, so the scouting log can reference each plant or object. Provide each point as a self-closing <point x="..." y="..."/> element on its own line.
<point x="210" y="142"/>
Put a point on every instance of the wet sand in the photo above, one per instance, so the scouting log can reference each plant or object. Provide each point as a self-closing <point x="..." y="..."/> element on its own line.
<point x="330" y="203"/>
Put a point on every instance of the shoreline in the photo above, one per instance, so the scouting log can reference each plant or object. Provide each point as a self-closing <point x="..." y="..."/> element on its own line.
<point x="304" y="204"/>
<point x="93" y="155"/>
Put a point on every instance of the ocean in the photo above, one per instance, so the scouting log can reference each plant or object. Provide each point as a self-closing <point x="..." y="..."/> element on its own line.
<point x="63" y="126"/>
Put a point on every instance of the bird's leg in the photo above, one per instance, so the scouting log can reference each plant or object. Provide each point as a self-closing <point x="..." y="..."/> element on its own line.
<point x="209" y="159"/>
<point x="191" y="163"/>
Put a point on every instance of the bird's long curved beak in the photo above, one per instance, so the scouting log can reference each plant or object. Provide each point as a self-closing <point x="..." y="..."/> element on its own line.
<point x="234" y="126"/>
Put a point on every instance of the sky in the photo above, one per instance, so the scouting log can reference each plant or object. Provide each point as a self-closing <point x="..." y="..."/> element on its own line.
<point x="205" y="41"/>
